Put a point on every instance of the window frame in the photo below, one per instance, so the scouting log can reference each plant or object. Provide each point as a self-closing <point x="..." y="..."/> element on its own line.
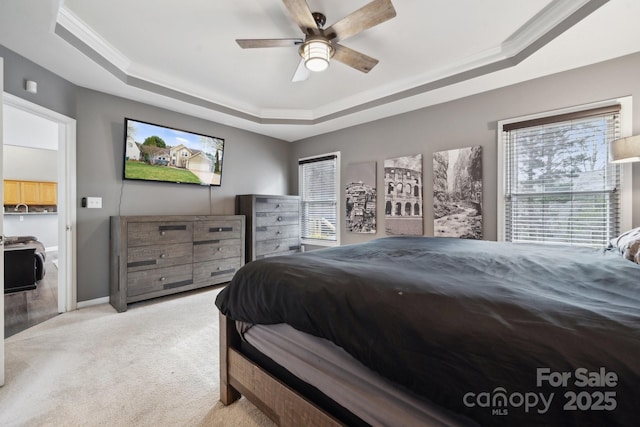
<point x="321" y="242"/>
<point x="626" y="179"/>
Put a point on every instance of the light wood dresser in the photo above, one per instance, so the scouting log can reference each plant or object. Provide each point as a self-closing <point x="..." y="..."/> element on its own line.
<point x="153" y="256"/>
<point x="273" y="224"/>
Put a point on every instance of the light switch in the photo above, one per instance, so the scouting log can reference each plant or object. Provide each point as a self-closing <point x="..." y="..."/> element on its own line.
<point x="94" y="202"/>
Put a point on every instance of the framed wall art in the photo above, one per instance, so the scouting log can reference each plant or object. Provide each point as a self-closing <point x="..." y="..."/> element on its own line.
<point x="403" y="195"/>
<point x="457" y="193"/>
<point x="361" y="197"/>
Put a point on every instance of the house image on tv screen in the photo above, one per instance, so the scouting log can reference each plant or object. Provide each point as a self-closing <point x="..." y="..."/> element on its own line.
<point x="150" y="154"/>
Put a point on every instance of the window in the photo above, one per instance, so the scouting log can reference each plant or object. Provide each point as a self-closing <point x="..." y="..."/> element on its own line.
<point x="558" y="186"/>
<point x="318" y="180"/>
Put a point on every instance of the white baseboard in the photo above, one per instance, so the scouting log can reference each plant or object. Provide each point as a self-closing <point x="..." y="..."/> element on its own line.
<point x="91" y="302"/>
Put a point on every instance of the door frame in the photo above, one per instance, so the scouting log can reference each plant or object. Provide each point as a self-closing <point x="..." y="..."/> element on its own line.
<point x="1" y="228"/>
<point x="67" y="271"/>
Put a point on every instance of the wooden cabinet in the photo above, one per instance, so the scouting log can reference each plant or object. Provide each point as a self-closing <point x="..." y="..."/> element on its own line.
<point x="11" y="192"/>
<point x="273" y="224"/>
<point x="152" y="256"/>
<point x="30" y="192"/>
<point x="48" y="193"/>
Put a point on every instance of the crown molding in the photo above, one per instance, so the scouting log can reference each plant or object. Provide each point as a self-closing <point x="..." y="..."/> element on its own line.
<point x="557" y="17"/>
<point x="74" y="25"/>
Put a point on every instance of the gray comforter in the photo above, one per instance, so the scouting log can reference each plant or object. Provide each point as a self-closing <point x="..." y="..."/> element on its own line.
<point x="506" y="334"/>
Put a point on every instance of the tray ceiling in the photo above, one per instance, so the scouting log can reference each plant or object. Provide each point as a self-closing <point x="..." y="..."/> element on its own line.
<point x="183" y="55"/>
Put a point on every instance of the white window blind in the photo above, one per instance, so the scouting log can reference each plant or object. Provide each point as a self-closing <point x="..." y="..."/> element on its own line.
<point x="559" y="186"/>
<point x="318" y="194"/>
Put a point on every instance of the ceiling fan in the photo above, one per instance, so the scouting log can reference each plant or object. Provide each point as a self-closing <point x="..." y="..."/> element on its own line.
<point x="319" y="44"/>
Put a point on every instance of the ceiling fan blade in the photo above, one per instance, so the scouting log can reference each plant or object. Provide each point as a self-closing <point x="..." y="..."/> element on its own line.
<point x="354" y="59"/>
<point x="301" y="14"/>
<point x="366" y="17"/>
<point x="258" y="43"/>
<point x="301" y="74"/>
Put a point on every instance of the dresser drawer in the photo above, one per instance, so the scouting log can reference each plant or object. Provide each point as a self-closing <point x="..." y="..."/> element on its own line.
<point x="273" y="224"/>
<point x="152" y="256"/>
<point x="216" y="271"/>
<point x="265" y="219"/>
<point x="277" y="246"/>
<point x="153" y="233"/>
<point x="291" y="252"/>
<point x="275" y="204"/>
<point x="216" y="230"/>
<point x="143" y="282"/>
<point x="276" y="232"/>
<point x="148" y="257"/>
<point x="216" y="249"/>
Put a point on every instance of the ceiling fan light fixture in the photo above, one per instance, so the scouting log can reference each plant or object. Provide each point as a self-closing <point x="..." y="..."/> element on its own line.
<point x="316" y="54"/>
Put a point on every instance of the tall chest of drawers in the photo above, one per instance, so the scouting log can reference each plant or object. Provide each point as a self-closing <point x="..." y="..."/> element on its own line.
<point x="273" y="224"/>
<point x="152" y="256"/>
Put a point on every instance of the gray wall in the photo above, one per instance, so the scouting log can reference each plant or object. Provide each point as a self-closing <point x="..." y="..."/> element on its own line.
<point x="54" y="92"/>
<point x="472" y="121"/>
<point x="259" y="164"/>
<point x="252" y="164"/>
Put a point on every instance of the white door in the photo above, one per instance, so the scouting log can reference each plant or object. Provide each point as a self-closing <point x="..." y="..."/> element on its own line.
<point x="1" y="235"/>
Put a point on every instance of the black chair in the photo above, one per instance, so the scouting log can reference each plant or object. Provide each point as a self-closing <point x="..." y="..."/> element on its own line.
<point x="24" y="258"/>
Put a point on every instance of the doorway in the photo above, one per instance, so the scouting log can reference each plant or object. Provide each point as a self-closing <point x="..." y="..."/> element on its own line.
<point x="49" y="146"/>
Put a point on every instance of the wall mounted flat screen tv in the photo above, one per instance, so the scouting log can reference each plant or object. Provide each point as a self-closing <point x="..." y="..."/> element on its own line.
<point x="163" y="154"/>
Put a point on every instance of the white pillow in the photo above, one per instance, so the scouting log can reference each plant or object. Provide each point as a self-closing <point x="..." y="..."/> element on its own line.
<point x="628" y="244"/>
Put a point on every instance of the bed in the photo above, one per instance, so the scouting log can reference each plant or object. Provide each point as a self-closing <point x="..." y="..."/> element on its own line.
<point x="479" y="332"/>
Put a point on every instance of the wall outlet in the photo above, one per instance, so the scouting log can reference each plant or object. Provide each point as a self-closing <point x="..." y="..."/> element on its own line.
<point x="94" y="202"/>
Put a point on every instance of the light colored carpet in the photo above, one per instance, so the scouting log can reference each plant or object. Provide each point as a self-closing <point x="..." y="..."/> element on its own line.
<point x="154" y="365"/>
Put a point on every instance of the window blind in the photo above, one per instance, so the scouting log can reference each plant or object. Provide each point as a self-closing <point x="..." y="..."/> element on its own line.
<point x="318" y="194"/>
<point x="560" y="187"/>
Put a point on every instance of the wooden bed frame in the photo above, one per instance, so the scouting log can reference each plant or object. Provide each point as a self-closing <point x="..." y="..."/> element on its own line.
<point x="240" y="376"/>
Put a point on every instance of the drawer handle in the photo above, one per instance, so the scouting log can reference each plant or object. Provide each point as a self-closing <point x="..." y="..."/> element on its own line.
<point x="277" y="246"/>
<point x="162" y="279"/>
<point x="278" y="205"/>
<point x="219" y="249"/>
<point x="162" y="256"/>
<point x="279" y="218"/>
<point x="219" y="229"/>
<point x="218" y="268"/>
<point x="277" y="233"/>
<point x="162" y="233"/>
